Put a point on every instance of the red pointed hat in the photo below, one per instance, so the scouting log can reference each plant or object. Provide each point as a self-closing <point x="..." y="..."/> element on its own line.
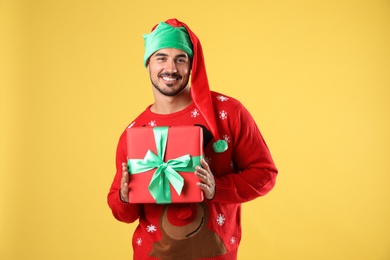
<point x="200" y="90"/>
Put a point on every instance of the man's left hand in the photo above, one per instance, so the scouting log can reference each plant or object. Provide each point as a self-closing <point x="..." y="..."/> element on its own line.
<point x="206" y="177"/>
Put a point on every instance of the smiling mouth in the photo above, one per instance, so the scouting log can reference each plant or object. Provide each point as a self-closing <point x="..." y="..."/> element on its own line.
<point x="168" y="77"/>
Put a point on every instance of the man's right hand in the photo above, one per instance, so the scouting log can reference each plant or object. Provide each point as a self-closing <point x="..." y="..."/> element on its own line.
<point x="124" y="192"/>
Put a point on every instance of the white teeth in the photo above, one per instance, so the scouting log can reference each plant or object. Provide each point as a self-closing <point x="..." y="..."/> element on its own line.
<point x="169" y="79"/>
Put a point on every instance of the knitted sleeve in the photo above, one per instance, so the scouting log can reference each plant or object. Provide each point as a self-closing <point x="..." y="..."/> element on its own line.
<point x="124" y="212"/>
<point x="256" y="170"/>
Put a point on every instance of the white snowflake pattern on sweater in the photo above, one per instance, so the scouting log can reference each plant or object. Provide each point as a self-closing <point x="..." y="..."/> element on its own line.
<point x="223" y="114"/>
<point x="226" y="138"/>
<point x="222" y="98"/>
<point x="152" y="123"/>
<point x="221" y="219"/>
<point x="195" y="113"/>
<point x="151" y="228"/>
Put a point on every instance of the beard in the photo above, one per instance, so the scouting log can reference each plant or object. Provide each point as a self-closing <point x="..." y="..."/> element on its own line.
<point x="170" y="92"/>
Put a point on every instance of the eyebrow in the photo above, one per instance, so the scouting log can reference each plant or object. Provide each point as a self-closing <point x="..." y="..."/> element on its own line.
<point x="161" y="54"/>
<point x="182" y="55"/>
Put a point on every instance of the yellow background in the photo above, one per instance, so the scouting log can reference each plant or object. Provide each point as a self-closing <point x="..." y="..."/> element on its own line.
<point x="314" y="74"/>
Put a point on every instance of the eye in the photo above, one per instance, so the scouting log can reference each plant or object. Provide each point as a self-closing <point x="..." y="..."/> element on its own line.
<point x="182" y="60"/>
<point x="161" y="58"/>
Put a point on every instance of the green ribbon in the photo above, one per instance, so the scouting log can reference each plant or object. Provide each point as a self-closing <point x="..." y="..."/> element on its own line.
<point x="166" y="172"/>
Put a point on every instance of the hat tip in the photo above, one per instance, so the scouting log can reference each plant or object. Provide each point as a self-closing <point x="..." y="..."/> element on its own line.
<point x="220" y="146"/>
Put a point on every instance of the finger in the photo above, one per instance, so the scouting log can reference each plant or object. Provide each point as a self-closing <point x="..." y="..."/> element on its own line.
<point x="207" y="190"/>
<point x="124" y="195"/>
<point x="204" y="169"/>
<point x="204" y="187"/>
<point x="204" y="164"/>
<point x="125" y="174"/>
<point x="124" y="167"/>
<point x="200" y="170"/>
<point x="201" y="173"/>
<point x="125" y="183"/>
<point x="124" y="192"/>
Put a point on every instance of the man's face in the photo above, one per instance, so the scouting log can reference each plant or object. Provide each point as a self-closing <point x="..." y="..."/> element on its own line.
<point x="169" y="70"/>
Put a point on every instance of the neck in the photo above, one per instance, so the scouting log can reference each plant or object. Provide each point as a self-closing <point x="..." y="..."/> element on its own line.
<point x="168" y="105"/>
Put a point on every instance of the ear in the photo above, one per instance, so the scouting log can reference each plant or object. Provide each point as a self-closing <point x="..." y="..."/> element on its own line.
<point x="147" y="62"/>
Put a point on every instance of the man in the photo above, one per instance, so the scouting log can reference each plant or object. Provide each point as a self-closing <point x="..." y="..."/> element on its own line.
<point x="237" y="166"/>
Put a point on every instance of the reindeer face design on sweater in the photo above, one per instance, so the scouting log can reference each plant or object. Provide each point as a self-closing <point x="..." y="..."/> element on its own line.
<point x="185" y="234"/>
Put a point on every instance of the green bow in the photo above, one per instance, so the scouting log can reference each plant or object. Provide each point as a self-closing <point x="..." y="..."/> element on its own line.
<point x="166" y="172"/>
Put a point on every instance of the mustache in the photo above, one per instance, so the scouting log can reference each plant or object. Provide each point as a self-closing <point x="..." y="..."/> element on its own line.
<point x="167" y="74"/>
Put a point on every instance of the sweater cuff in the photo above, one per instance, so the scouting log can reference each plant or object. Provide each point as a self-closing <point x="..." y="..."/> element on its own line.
<point x="222" y="194"/>
<point x="125" y="207"/>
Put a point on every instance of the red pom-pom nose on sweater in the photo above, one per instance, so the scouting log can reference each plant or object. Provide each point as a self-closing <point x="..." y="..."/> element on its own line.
<point x="181" y="214"/>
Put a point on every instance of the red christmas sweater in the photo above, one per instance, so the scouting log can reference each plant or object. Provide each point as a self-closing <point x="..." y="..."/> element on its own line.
<point x="211" y="229"/>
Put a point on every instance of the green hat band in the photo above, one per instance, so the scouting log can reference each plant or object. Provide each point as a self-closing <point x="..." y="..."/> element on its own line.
<point x="167" y="36"/>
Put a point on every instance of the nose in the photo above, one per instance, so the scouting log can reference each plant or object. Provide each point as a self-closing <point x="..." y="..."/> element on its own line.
<point x="171" y="66"/>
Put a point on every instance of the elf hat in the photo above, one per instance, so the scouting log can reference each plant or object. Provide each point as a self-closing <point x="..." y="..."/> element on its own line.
<point x="171" y="35"/>
<point x="167" y="36"/>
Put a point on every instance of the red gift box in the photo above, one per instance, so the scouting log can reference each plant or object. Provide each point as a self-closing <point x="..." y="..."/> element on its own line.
<point x="161" y="162"/>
